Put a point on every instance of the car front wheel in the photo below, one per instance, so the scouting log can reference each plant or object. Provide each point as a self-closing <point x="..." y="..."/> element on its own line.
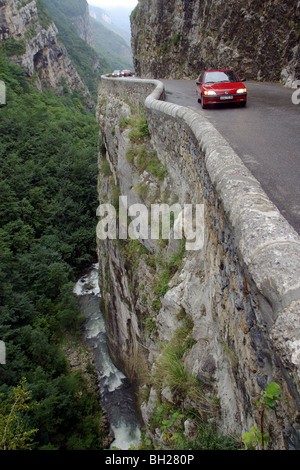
<point x="204" y="106"/>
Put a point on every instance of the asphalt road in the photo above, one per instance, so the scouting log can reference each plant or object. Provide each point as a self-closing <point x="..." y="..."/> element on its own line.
<point x="265" y="135"/>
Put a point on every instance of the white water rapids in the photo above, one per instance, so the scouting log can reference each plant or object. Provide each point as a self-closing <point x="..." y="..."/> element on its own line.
<point x="116" y="395"/>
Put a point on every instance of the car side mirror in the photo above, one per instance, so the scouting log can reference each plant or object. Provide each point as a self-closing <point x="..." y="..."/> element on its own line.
<point x="243" y="80"/>
<point x="198" y="83"/>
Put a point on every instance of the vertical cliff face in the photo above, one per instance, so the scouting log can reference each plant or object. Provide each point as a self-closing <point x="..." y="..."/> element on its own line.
<point x="178" y="38"/>
<point x="82" y="25"/>
<point x="203" y="329"/>
<point x="161" y="316"/>
<point x="30" y="39"/>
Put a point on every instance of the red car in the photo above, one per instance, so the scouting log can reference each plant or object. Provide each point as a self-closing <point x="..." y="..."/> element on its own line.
<point x="220" y="86"/>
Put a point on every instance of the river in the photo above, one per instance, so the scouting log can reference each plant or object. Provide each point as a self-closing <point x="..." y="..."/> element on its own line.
<point x="116" y="395"/>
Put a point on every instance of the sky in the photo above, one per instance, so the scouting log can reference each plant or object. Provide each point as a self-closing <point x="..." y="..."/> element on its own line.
<point x="106" y="4"/>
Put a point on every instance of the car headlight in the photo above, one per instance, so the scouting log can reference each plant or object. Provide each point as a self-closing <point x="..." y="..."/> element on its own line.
<point x="242" y="90"/>
<point x="209" y="92"/>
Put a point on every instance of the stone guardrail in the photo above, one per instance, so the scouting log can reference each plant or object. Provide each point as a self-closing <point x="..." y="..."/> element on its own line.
<point x="268" y="247"/>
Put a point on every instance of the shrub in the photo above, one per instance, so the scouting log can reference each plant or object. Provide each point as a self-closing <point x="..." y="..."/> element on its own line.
<point x="14" y="47"/>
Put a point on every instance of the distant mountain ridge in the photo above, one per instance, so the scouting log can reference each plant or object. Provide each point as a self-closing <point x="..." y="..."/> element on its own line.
<point x="115" y="19"/>
<point x="111" y="46"/>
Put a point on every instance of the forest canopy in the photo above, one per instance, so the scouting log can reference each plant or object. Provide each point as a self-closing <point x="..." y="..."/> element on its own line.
<point x="48" y="199"/>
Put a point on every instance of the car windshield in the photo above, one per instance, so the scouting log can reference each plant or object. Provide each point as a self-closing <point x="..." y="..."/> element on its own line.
<point x="219" y="77"/>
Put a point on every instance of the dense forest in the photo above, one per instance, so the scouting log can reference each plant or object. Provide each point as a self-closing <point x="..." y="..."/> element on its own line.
<point x="48" y="199"/>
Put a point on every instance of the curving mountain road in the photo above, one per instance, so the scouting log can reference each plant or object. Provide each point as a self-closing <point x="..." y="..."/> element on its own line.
<point x="265" y="135"/>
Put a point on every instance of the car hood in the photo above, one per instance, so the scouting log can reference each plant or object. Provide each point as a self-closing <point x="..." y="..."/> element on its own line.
<point x="220" y="88"/>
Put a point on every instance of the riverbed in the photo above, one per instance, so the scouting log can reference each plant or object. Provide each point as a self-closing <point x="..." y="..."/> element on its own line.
<point x="116" y="394"/>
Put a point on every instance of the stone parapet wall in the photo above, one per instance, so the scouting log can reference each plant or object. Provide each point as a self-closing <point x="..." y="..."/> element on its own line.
<point x="135" y="90"/>
<point x="243" y="289"/>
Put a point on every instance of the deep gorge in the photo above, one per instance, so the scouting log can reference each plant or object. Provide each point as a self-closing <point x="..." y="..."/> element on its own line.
<point x="199" y="334"/>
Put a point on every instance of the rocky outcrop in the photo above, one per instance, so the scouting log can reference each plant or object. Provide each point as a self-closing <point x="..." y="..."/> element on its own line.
<point x="83" y="26"/>
<point x="32" y="43"/>
<point x="179" y="38"/>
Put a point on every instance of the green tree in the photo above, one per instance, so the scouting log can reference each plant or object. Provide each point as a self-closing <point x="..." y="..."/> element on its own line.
<point x="13" y="432"/>
<point x="48" y="201"/>
<point x="257" y="438"/>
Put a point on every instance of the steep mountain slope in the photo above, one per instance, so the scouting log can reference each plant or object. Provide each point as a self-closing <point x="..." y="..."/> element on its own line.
<point x="114" y="19"/>
<point x="52" y="40"/>
<point x="30" y="38"/>
<point x="78" y="13"/>
<point x="85" y="59"/>
<point x="178" y="38"/>
<point x="48" y="199"/>
<point x="109" y="44"/>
